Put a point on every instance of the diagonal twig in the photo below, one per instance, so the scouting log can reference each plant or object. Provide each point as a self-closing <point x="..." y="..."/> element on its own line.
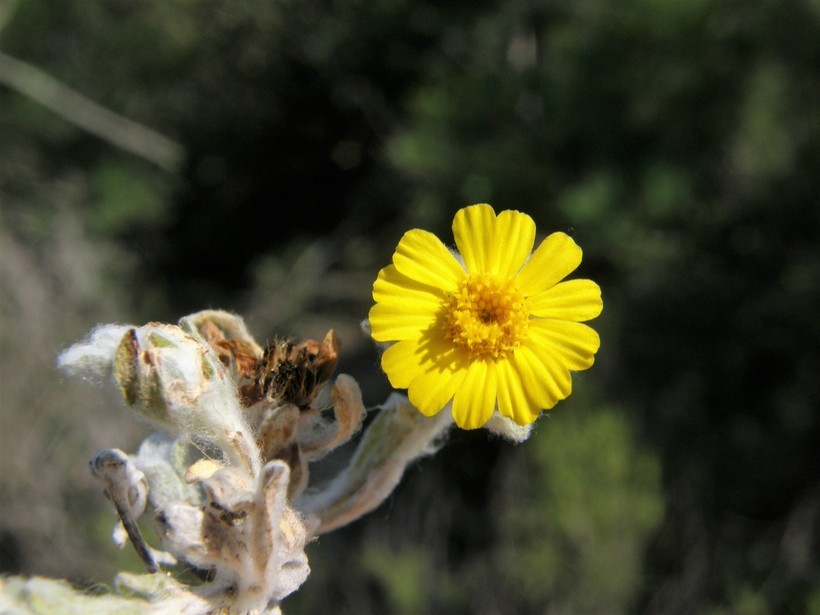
<point x="89" y="115"/>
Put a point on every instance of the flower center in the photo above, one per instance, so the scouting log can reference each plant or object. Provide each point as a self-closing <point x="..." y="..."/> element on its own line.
<point x="487" y="315"/>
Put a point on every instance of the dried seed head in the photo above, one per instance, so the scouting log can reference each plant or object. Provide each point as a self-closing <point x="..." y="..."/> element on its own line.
<point x="294" y="373"/>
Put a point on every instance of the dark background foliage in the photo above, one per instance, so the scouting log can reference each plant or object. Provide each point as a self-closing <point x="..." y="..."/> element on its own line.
<point x="679" y="141"/>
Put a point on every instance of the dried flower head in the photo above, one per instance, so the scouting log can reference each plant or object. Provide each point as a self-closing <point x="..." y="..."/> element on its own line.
<point x="294" y="373"/>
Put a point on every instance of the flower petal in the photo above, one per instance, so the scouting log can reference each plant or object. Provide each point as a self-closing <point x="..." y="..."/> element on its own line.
<point x="545" y="380"/>
<point x="513" y="401"/>
<point x="430" y="368"/>
<point x="475" y="399"/>
<point x="404" y="308"/>
<point x="514" y="237"/>
<point x="421" y="256"/>
<point x="390" y="323"/>
<point x="433" y="387"/>
<point x="490" y="244"/>
<point x="572" y="344"/>
<point x="474" y="231"/>
<point x="392" y="286"/>
<point x="402" y="362"/>
<point x="556" y="257"/>
<point x="575" y="300"/>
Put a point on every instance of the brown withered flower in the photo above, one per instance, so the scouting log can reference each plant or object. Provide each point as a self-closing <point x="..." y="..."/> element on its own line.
<point x="293" y="373"/>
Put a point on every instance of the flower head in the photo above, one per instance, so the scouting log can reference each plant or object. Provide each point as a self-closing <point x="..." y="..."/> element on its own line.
<point x="490" y="328"/>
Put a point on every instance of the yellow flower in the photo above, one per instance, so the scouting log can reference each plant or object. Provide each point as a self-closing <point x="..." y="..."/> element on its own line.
<point x="491" y="329"/>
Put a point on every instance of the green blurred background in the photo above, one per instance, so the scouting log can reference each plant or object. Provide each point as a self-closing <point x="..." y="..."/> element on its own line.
<point x="164" y="156"/>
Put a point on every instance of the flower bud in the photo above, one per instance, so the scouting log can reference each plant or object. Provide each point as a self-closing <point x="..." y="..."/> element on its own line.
<point x="172" y="378"/>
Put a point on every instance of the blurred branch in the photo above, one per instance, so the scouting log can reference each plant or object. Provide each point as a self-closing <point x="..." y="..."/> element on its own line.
<point x="88" y="115"/>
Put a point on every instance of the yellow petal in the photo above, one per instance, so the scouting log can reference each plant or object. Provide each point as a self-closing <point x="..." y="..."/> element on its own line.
<point x="514" y="237"/>
<point x="402" y="362"/>
<point x="421" y="256"/>
<point x="394" y="287"/>
<point x="474" y="230"/>
<point x="490" y="244"/>
<point x="513" y="401"/>
<point x="389" y="323"/>
<point x="556" y="257"/>
<point x="404" y="308"/>
<point x="575" y="300"/>
<point x="433" y="387"/>
<point x="545" y="380"/>
<point x="475" y="399"/>
<point x="429" y="368"/>
<point x="572" y="344"/>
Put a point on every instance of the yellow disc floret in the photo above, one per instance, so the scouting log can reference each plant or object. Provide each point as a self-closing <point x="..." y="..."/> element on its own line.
<point x="487" y="315"/>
